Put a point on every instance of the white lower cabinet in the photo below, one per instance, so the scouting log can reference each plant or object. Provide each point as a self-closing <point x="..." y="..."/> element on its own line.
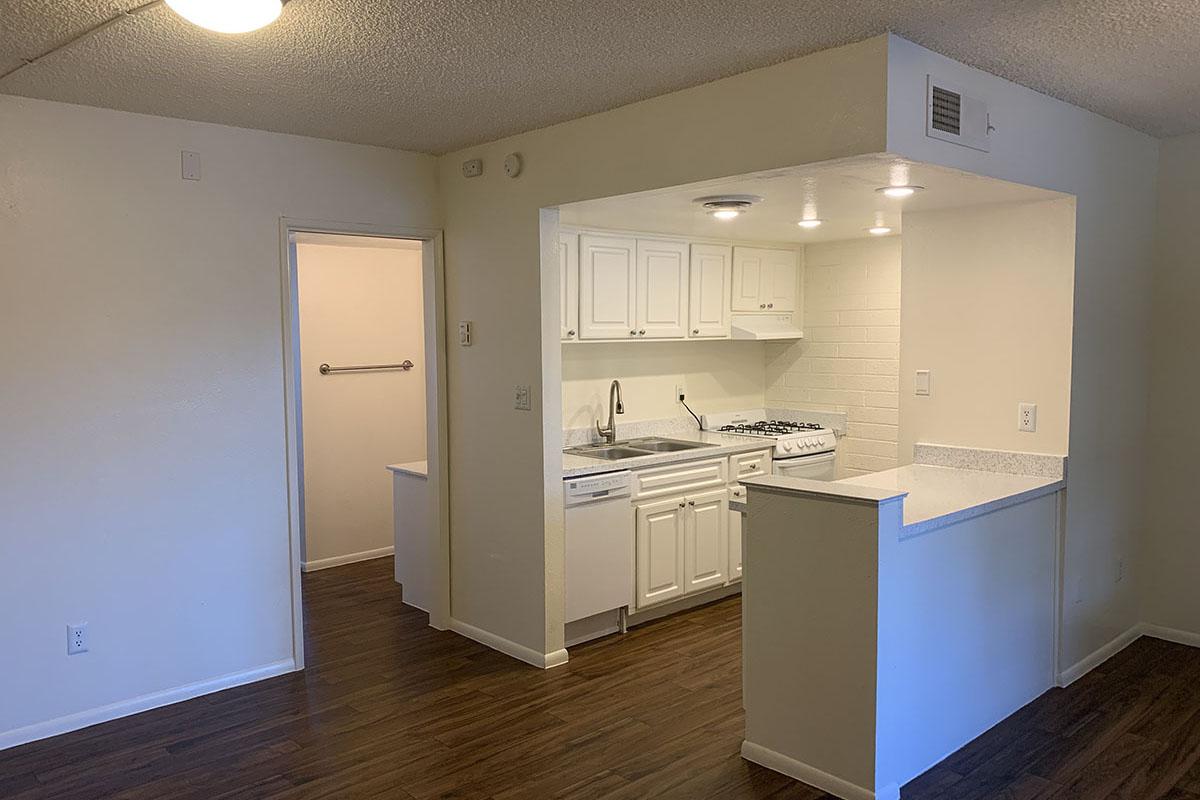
<point x="681" y="546"/>
<point x="659" y="560"/>
<point x="735" y="536"/>
<point x="706" y="547"/>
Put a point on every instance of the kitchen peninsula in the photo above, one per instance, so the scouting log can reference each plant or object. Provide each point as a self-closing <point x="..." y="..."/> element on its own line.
<point x="890" y="618"/>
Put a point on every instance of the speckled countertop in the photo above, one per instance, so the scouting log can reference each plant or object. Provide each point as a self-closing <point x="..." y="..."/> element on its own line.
<point x="575" y="466"/>
<point x="959" y="484"/>
<point x="939" y="496"/>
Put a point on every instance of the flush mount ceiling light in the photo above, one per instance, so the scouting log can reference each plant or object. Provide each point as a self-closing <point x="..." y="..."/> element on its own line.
<point x="810" y="223"/>
<point x="879" y="230"/>
<point x="899" y="192"/>
<point x="228" y="16"/>
<point x="727" y="207"/>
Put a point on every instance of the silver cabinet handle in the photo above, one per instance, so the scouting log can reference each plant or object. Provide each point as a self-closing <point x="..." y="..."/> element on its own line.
<point x="570" y="333"/>
<point x="681" y="505"/>
<point x="641" y="333"/>
<point x="762" y="305"/>
<point x="770" y="305"/>
<point x="695" y="331"/>
<point x="691" y="502"/>
<point x="633" y="333"/>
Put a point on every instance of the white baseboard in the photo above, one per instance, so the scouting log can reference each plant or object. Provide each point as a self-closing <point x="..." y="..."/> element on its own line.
<point x="349" y="558"/>
<point x="812" y="776"/>
<point x="509" y="647"/>
<point x="1171" y="634"/>
<point x="1104" y="653"/>
<point x="125" y="708"/>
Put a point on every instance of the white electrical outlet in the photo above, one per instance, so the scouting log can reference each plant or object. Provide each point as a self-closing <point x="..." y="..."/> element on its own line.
<point x="1027" y="417"/>
<point x="522" y="401"/>
<point x="77" y="639"/>
<point x="921" y="384"/>
<point x="679" y="393"/>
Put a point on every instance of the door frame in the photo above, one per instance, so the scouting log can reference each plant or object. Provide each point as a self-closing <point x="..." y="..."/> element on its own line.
<point x="437" y="451"/>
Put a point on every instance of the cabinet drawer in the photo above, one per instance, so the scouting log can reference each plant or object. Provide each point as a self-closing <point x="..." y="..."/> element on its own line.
<point x="749" y="465"/>
<point x="680" y="478"/>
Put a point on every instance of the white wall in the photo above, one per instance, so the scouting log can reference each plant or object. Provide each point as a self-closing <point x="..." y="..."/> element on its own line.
<point x="142" y="475"/>
<point x="987" y="310"/>
<point x="716" y="376"/>
<point x="506" y="495"/>
<point x="849" y="358"/>
<point x="359" y="304"/>
<point x="1172" y="545"/>
<point x="1111" y="170"/>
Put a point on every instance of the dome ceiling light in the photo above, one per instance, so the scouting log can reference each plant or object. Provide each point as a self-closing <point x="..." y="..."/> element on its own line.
<point x="228" y="16"/>
<point x="727" y="207"/>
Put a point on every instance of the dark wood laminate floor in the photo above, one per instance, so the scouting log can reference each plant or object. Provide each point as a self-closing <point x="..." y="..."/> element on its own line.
<point x="390" y="708"/>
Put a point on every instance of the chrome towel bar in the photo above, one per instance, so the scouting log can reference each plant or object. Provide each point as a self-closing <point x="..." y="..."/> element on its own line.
<point x="406" y="365"/>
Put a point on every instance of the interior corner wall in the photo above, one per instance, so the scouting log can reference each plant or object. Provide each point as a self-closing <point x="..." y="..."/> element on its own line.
<point x="1111" y="170"/>
<point x="987" y="310"/>
<point x="143" y="481"/>
<point x="507" y="462"/>
<point x="1172" y="546"/>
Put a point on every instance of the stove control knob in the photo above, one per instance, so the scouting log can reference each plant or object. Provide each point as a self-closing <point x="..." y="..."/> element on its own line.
<point x="788" y="446"/>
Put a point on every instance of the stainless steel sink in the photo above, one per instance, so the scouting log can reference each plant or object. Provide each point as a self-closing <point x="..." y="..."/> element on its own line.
<point x="657" y="444"/>
<point x="635" y="448"/>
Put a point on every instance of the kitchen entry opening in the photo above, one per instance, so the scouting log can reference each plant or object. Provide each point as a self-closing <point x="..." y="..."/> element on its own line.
<point x="364" y="357"/>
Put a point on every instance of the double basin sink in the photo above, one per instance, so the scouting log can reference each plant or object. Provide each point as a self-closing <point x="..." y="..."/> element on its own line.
<point x="635" y="448"/>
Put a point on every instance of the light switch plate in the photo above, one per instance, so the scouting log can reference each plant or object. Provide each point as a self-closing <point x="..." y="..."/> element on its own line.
<point x="522" y="400"/>
<point x="190" y="165"/>
<point x="922" y="382"/>
<point x="464" y="333"/>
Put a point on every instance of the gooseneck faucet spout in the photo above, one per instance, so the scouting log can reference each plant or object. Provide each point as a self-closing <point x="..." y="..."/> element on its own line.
<point x="615" y="406"/>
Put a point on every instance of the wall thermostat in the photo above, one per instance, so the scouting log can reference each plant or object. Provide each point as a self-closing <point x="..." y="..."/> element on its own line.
<point x="512" y="165"/>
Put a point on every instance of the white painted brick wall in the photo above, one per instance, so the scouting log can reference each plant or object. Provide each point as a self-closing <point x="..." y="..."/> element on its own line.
<point x="849" y="359"/>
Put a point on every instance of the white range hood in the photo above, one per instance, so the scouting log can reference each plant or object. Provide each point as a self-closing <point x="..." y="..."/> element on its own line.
<point x="765" y="327"/>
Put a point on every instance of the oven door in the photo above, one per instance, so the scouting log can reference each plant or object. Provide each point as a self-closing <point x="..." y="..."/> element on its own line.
<point x="815" y="468"/>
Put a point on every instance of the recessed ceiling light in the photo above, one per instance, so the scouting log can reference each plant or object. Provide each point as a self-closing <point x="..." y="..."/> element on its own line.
<point x="228" y="16"/>
<point x="727" y="207"/>
<point x="899" y="192"/>
<point x="810" y="223"/>
<point x="879" y="230"/>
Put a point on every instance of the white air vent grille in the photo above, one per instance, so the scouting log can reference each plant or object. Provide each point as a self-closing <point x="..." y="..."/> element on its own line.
<point x="951" y="115"/>
<point x="946" y="111"/>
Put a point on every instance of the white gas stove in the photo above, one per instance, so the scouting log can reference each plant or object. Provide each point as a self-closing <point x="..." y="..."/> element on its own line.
<point x="800" y="449"/>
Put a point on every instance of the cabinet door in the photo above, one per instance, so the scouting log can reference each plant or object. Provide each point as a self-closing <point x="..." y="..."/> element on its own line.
<point x="735" y="536"/>
<point x="706" y="541"/>
<point x="607" y="286"/>
<point x="748" y="274"/>
<point x="568" y="285"/>
<point x="781" y="274"/>
<point x="662" y="289"/>
<point x="711" y="289"/>
<point x="659" y="544"/>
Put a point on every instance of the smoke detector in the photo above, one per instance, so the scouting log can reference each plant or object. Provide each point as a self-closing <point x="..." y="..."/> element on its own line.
<point x="727" y="206"/>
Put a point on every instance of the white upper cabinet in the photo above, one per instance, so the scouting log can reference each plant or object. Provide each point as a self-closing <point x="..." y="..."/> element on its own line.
<point x="711" y="276"/>
<point x="607" y="287"/>
<point x="662" y="289"/>
<point x="764" y="280"/>
<point x="568" y="285"/>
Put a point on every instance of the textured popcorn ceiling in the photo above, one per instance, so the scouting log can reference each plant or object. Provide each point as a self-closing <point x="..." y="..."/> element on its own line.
<point x="436" y="75"/>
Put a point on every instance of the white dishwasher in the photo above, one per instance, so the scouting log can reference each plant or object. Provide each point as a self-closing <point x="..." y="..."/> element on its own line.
<point x="599" y="544"/>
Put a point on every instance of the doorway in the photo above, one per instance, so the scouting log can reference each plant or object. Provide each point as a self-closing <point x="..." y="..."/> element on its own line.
<point x="364" y="356"/>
